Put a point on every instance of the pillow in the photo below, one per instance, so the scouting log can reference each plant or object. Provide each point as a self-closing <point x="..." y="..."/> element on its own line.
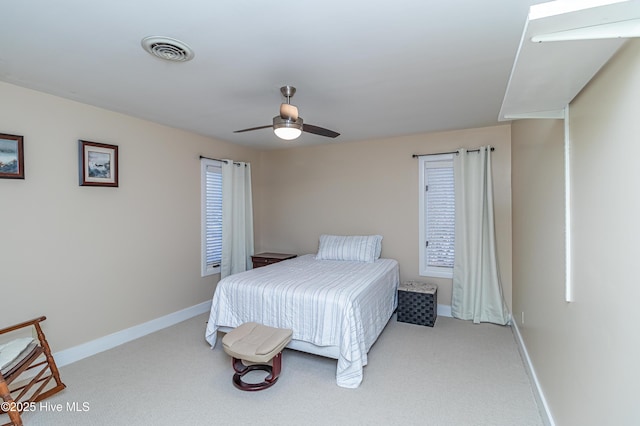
<point x="359" y="248"/>
<point x="378" y="246"/>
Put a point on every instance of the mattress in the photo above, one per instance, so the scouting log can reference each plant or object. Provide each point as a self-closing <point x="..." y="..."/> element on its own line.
<point x="338" y="307"/>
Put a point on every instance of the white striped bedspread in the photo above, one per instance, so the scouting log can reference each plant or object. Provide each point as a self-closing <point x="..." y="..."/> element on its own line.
<point x="343" y="304"/>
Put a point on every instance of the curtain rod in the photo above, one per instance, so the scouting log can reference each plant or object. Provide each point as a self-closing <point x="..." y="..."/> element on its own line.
<point x="217" y="159"/>
<point x="452" y="152"/>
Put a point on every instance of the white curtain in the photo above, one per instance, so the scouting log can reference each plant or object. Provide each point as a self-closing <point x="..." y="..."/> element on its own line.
<point x="477" y="289"/>
<point x="237" y="218"/>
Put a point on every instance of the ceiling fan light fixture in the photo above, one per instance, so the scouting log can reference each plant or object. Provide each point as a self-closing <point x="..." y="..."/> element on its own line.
<point x="287" y="129"/>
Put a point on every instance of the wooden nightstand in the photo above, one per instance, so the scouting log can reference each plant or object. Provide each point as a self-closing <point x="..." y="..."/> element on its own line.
<point x="264" y="259"/>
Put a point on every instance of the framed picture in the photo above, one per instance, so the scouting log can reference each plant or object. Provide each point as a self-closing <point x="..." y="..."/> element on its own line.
<point x="11" y="156"/>
<point x="98" y="164"/>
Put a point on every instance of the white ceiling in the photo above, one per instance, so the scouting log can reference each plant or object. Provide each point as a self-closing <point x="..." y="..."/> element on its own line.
<point x="366" y="69"/>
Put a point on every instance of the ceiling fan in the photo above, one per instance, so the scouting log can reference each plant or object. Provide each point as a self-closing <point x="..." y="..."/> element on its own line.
<point x="288" y="125"/>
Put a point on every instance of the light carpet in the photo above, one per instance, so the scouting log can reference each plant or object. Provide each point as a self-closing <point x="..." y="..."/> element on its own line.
<point x="456" y="373"/>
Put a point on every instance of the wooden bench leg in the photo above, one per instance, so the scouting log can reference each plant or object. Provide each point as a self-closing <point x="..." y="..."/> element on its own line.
<point x="55" y="373"/>
<point x="277" y="367"/>
<point x="238" y="366"/>
<point x="270" y="380"/>
<point x="13" y="412"/>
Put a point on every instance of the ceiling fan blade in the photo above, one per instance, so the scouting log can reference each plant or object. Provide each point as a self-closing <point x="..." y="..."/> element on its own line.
<point x="309" y="128"/>
<point x="253" y="128"/>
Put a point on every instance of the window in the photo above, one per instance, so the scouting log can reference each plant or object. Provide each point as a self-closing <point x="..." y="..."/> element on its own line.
<point x="437" y="216"/>
<point x="211" y="177"/>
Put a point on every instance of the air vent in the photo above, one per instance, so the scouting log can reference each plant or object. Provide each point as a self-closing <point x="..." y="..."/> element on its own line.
<point x="167" y="48"/>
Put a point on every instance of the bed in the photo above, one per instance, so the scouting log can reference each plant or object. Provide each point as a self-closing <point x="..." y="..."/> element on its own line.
<point x="336" y="308"/>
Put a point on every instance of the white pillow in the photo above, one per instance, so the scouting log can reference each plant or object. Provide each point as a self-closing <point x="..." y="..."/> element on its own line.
<point x="360" y="248"/>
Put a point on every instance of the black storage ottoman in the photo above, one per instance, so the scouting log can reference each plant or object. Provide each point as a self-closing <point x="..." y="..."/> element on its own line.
<point x="417" y="303"/>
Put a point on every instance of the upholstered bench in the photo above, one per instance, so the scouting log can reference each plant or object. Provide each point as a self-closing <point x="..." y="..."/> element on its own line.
<point x="252" y="346"/>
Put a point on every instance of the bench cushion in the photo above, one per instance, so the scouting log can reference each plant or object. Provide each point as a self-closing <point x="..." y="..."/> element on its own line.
<point x="255" y="342"/>
<point x="14" y="351"/>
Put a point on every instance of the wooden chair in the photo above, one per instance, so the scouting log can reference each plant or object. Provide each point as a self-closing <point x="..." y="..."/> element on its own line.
<point x="29" y="380"/>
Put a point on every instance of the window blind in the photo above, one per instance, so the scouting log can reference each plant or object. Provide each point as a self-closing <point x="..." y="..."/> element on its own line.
<point x="440" y="216"/>
<point x="213" y="214"/>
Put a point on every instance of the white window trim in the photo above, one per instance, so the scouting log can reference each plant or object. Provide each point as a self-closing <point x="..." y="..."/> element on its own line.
<point x="206" y="270"/>
<point x="425" y="270"/>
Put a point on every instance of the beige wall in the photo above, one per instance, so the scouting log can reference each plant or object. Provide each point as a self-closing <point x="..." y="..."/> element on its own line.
<point x="99" y="260"/>
<point x="370" y="187"/>
<point x="585" y="353"/>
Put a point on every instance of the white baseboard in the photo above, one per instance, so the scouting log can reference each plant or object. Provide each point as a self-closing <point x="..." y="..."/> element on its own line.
<point x="543" y="407"/>
<point x="101" y="344"/>
<point x="444" y="310"/>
